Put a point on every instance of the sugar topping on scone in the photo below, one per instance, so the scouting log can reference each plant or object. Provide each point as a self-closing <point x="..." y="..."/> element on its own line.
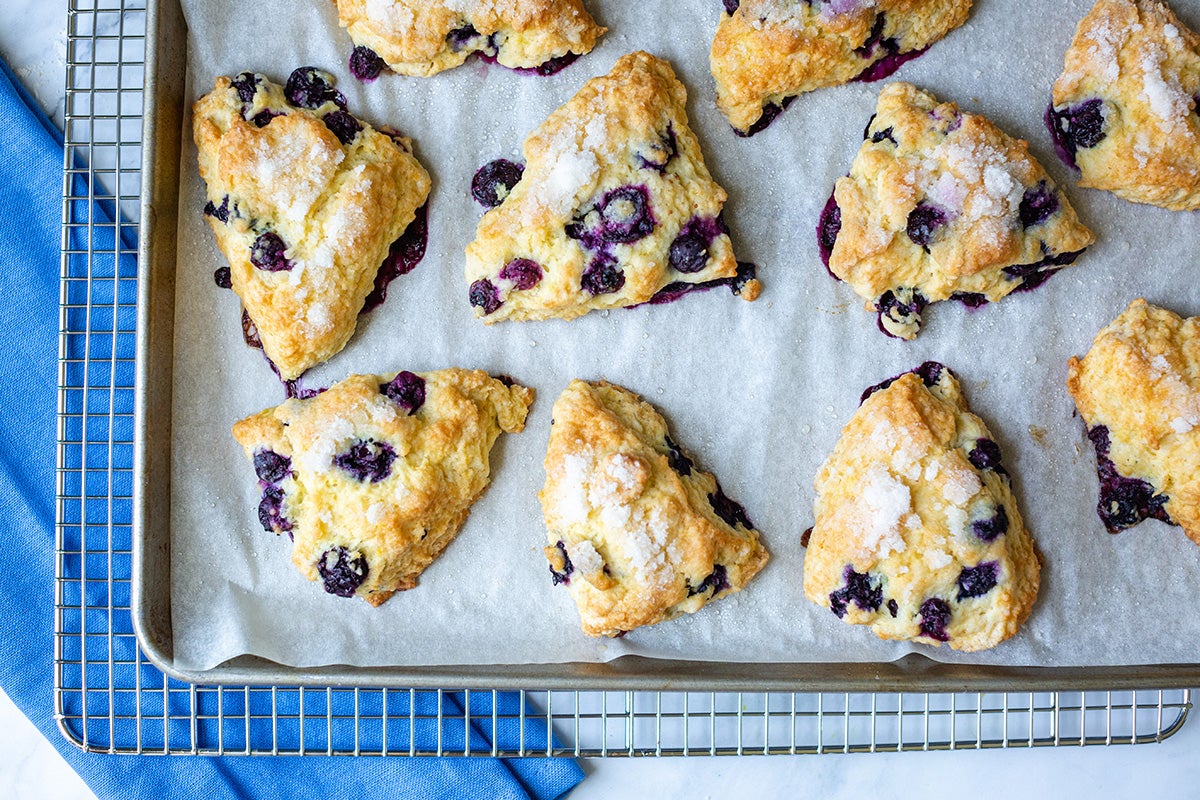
<point x="424" y="37"/>
<point x="766" y="52"/>
<point x="613" y="207"/>
<point x="305" y="200"/>
<point x="373" y="477"/>
<point x="917" y="533"/>
<point x="1138" y="391"/>
<point x="1126" y="110"/>
<point x="941" y="204"/>
<point x="638" y="533"/>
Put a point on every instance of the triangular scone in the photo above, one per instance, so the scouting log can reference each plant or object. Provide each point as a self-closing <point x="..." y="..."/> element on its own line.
<point x="615" y="207"/>
<point x="766" y="52"/>
<point x="940" y="204"/>
<point x="424" y="37"/>
<point x="1138" y="391"/>
<point x="637" y="532"/>
<point x="917" y="533"/>
<point x="1126" y="110"/>
<point x="373" y="477"/>
<point x="305" y="200"/>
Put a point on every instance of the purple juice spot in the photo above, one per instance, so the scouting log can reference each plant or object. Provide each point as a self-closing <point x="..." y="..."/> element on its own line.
<point x="893" y="608"/>
<point x="979" y="580"/>
<point x="991" y="528"/>
<point x="247" y="85"/>
<point x="746" y="272"/>
<point x="858" y="590"/>
<point x="1038" y="205"/>
<point x="715" y="582"/>
<point x="367" y="460"/>
<point x="1076" y="126"/>
<point x="769" y="113"/>
<point x="986" y="455"/>
<point x="250" y="333"/>
<point x="923" y="223"/>
<point x="661" y="152"/>
<point x="295" y="391"/>
<point x="1034" y="275"/>
<point x="345" y="126"/>
<point x="729" y="510"/>
<point x="930" y="373"/>
<point x="689" y="251"/>
<point x="602" y="276"/>
<point x="970" y="299"/>
<point x="223" y="278"/>
<point x="365" y="64"/>
<point x="263" y="118"/>
<point x="403" y="256"/>
<point x="267" y="253"/>
<point x="270" y="511"/>
<point x="902" y="306"/>
<point x="309" y="87"/>
<point x="406" y="390"/>
<point x="494" y="180"/>
<point x="551" y="66"/>
<point x="1124" y="502"/>
<point x="565" y="575"/>
<point x="935" y="616"/>
<point x="525" y="273"/>
<point x="828" y="227"/>
<point x="484" y="294"/>
<point x="676" y="458"/>
<point x="271" y="467"/>
<point x="888" y="64"/>
<point x="341" y="574"/>
<point x="731" y="6"/>
<point x="220" y="212"/>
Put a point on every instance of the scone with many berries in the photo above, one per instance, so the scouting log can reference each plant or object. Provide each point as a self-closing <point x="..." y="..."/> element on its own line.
<point x="305" y="200"/>
<point x="614" y="207"/>
<point x="1138" y="391"/>
<point x="942" y="205"/>
<point x="766" y="52"/>
<point x="1126" y="110"/>
<point x="424" y="37"/>
<point x="373" y="477"/>
<point x="637" y="532"/>
<point x="917" y="533"/>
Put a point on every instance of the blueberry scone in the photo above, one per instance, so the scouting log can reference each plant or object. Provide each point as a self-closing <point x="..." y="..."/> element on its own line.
<point x="1138" y="391"/>
<point x="766" y="52"/>
<point x="638" y="533"/>
<point x="1125" y="110"/>
<point x="613" y="207"/>
<point x="373" y="477"/>
<point x="940" y="204"/>
<point x="424" y="37"/>
<point x="305" y="200"/>
<point x="917" y="533"/>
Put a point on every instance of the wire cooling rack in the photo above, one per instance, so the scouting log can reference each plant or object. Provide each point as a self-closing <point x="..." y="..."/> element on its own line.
<point x="109" y="698"/>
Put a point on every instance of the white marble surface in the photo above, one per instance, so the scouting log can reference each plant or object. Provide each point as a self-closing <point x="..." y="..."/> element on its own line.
<point x="32" y="41"/>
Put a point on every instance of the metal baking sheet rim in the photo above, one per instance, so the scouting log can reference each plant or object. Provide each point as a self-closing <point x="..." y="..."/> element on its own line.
<point x="163" y="104"/>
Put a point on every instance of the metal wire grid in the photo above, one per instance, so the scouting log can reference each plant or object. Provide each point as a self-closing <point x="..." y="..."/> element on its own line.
<point x="109" y="698"/>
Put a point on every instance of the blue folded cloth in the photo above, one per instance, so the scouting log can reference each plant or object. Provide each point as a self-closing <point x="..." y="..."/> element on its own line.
<point x="31" y="158"/>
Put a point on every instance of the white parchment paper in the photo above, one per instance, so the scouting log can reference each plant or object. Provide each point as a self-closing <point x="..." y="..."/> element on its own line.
<point x="756" y="392"/>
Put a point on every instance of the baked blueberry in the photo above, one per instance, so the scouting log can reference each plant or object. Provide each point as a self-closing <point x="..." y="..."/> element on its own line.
<point x="267" y="253"/>
<point x="406" y="390"/>
<point x="494" y="180"/>
<point x="309" y="87"/>
<point x="990" y="528"/>
<point x="935" y="616"/>
<point x="525" y="273"/>
<point x="978" y="580"/>
<point x="367" y="460"/>
<point x="341" y="573"/>
<point x="271" y="467"/>
<point x="345" y="126"/>
<point x="483" y="294"/>
<point x="365" y="64"/>
<point x="859" y="589"/>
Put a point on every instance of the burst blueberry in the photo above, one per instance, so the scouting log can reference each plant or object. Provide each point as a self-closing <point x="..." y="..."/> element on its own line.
<point x="935" y="616"/>
<point x="930" y="373"/>
<point x="1038" y="205"/>
<point x="309" y="87"/>
<point x="402" y="258"/>
<point x="563" y="574"/>
<point x="828" y="228"/>
<point x="271" y="467"/>
<point x="625" y="215"/>
<point x="988" y="529"/>
<point x="223" y="277"/>
<point x="769" y="113"/>
<point x="246" y="84"/>
<point x="731" y="5"/>
<point x="267" y="253"/>
<point x="263" y="118"/>
<point x="365" y="64"/>
<point x="462" y="37"/>
<point x="859" y="589"/>
<point x="220" y="212"/>
<point x="270" y="511"/>
<point x="924" y="222"/>
<point x="676" y="458"/>
<point x="494" y="181"/>
<point x="715" y="582"/>
<point x="978" y="580"/>
<point x="525" y="273"/>
<point x="661" y="152"/>
<point x="729" y="510"/>
<point x="986" y="455"/>
<point x="484" y="294"/>
<point x="367" y="460"/>
<point x="1124" y="501"/>
<point x="345" y="126"/>
<point x="602" y="276"/>
<point x="341" y="573"/>
<point x="406" y="390"/>
<point x="1075" y="127"/>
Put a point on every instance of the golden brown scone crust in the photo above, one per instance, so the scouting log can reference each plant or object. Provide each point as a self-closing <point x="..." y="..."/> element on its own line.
<point x="635" y="518"/>
<point x="1144" y="65"/>
<point x="992" y="194"/>
<point x="398" y="524"/>
<point x="1141" y="381"/>
<point x="625" y="130"/>
<point x="414" y="36"/>
<point x="770" y="50"/>
<point x="900" y="510"/>
<point x="337" y="207"/>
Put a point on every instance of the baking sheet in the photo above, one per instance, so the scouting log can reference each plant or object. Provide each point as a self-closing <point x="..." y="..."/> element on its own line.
<point x="756" y="392"/>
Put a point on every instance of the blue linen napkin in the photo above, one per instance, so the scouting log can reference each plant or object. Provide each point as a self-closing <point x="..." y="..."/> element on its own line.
<point x="31" y="158"/>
